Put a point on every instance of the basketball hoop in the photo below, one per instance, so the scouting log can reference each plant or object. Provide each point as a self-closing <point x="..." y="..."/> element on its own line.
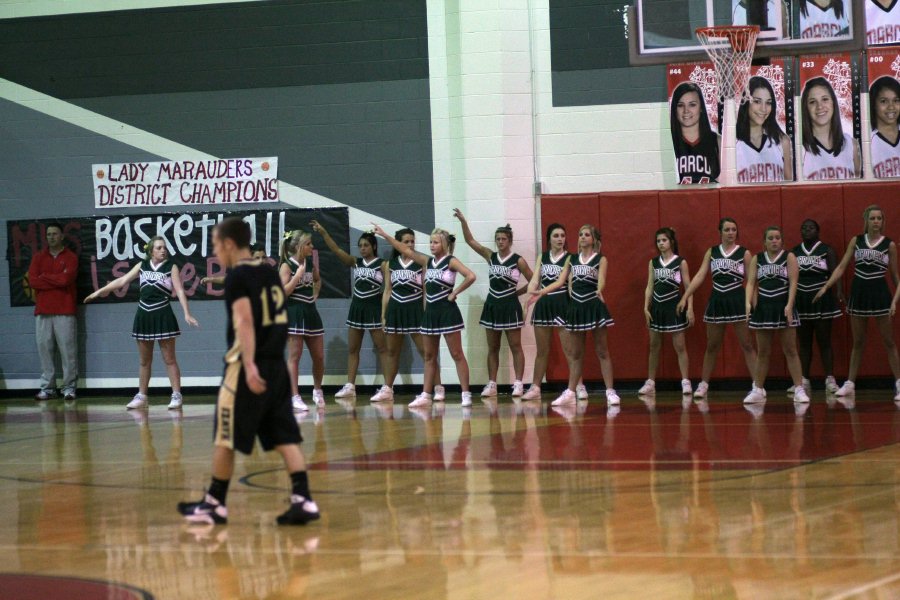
<point x="730" y="48"/>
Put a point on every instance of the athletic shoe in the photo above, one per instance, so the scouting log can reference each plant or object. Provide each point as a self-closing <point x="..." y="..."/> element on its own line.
<point x="755" y="396"/>
<point x="581" y="392"/>
<point x="440" y="394"/>
<point x="759" y="390"/>
<point x="702" y="390"/>
<point x="467" y="397"/>
<point x="45" y="395"/>
<point x="805" y="384"/>
<point x="518" y="389"/>
<point x="348" y="391"/>
<point x="299" y="404"/>
<point x="533" y="393"/>
<point x="686" y="389"/>
<point x="421" y="400"/>
<point x="139" y="401"/>
<point x="612" y="397"/>
<point x="69" y="395"/>
<point x="301" y="512"/>
<point x="209" y="510"/>
<point x="648" y="388"/>
<point x="831" y="385"/>
<point x="490" y="390"/>
<point x="319" y="397"/>
<point x="800" y="396"/>
<point x="790" y="390"/>
<point x="385" y="394"/>
<point x="848" y="389"/>
<point x="176" y="401"/>
<point x="567" y="398"/>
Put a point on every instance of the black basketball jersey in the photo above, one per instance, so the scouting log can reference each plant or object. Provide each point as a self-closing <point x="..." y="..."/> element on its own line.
<point x="667" y="279"/>
<point x="871" y="262"/>
<point x="813" y="266"/>
<point x="698" y="163"/>
<point x="256" y="280"/>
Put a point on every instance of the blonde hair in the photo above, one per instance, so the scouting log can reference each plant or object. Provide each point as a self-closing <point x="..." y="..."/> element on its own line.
<point x="866" y="212"/>
<point x="291" y="241"/>
<point x="448" y="240"/>
<point x="595" y="233"/>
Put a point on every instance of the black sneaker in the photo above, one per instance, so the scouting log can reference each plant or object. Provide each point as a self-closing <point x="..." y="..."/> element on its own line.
<point x="208" y="510"/>
<point x="301" y="512"/>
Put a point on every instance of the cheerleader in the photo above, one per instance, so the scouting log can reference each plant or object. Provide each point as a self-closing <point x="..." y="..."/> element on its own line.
<point x="300" y="278"/>
<point x="770" y="295"/>
<point x="829" y="153"/>
<point x="816" y="261"/>
<point x="502" y="310"/>
<point x="763" y="151"/>
<point x="728" y="262"/>
<point x="154" y="320"/>
<point x="587" y="311"/>
<point x="667" y="273"/>
<point x="402" y="307"/>
<point x="884" y="110"/>
<point x="441" y="316"/>
<point x="873" y="254"/>
<point x="369" y="274"/>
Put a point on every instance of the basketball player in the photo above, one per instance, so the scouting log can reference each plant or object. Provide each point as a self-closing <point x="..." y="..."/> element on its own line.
<point x="255" y="252"/>
<point x="696" y="144"/>
<point x="763" y="150"/>
<point x="770" y="295"/>
<point x="829" y="152"/>
<point x="823" y="19"/>
<point x="884" y="111"/>
<point x="154" y="320"/>
<point x="254" y="400"/>
<point x="873" y="254"/>
<point x="369" y="274"/>
<point x="502" y="310"/>
<point x="882" y="22"/>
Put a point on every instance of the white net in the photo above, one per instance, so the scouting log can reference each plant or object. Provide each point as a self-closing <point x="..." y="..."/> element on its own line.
<point x="730" y="49"/>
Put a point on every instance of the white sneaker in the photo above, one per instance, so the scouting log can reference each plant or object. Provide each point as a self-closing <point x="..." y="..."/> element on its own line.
<point x="759" y="390"/>
<point x="686" y="389"/>
<point x="755" y="396"/>
<point x="800" y="395"/>
<point x="533" y="393"/>
<point x="612" y="397"/>
<point x="518" y="389"/>
<point x="348" y="391"/>
<point x="702" y="390"/>
<point x="648" y="388"/>
<point x="848" y="389"/>
<point x="581" y="392"/>
<point x="299" y="404"/>
<point x="805" y="384"/>
<point x="567" y="398"/>
<point x="490" y="390"/>
<point x="440" y="394"/>
<point x="319" y="397"/>
<point x="139" y="401"/>
<point x="176" y="401"/>
<point x="420" y="401"/>
<point x="467" y="397"/>
<point x="831" y="385"/>
<point x="385" y="394"/>
<point x="790" y="390"/>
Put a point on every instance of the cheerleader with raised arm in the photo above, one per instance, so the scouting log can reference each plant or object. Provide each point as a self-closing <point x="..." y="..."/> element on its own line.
<point x="369" y="274"/>
<point x="502" y="311"/>
<point x="300" y="278"/>
<point x="154" y="320"/>
<point x="873" y="255"/>
<point x="668" y="272"/>
<point x="441" y="316"/>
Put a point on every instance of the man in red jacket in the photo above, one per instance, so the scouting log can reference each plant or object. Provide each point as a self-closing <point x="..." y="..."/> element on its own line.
<point x="52" y="277"/>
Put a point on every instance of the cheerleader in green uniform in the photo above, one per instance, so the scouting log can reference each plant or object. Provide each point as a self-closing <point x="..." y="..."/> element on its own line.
<point x="502" y="310"/>
<point x="728" y="263"/>
<point x="873" y="254"/>
<point x="667" y="273"/>
<point x="154" y="320"/>
<point x="441" y="316"/>
<point x="369" y="275"/>
<point x="402" y="306"/>
<point x="770" y="296"/>
<point x="300" y="278"/>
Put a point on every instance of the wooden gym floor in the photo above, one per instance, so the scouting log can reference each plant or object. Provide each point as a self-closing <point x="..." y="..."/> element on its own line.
<point x="506" y="500"/>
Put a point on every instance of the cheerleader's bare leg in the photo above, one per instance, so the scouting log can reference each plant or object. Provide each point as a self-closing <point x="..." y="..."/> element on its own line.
<point x="418" y="340"/>
<point x="431" y="345"/>
<point x="742" y="331"/>
<point x="573" y="347"/>
<point x="542" y="338"/>
<point x="514" y="339"/>
<point x="454" y="344"/>
<point x="715" y="333"/>
<point x="145" y="356"/>
<point x="602" y="350"/>
<point x="791" y="356"/>
<point x="354" y="343"/>
<point x="167" y="349"/>
<point x="316" y="345"/>
<point x="653" y="358"/>
<point x="681" y="352"/>
<point x="858" y="329"/>
<point x="887" y="338"/>
<point x="295" y="351"/>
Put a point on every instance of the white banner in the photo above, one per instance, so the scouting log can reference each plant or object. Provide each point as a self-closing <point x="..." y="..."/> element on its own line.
<point x="186" y="182"/>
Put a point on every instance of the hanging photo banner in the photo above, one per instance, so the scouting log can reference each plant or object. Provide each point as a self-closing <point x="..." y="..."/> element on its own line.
<point x="882" y="22"/>
<point x="694" y="121"/>
<point x="884" y="111"/>
<point x="185" y="183"/>
<point x="829" y="118"/>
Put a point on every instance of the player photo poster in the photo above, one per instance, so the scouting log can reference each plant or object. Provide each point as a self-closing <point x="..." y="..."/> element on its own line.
<point x="764" y="132"/>
<point x="693" y="119"/>
<point x="823" y="19"/>
<point x="829" y="142"/>
<point x="884" y="111"/>
<point x="882" y="22"/>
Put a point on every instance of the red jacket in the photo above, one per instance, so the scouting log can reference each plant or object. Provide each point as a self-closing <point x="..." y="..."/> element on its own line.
<point x="53" y="280"/>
